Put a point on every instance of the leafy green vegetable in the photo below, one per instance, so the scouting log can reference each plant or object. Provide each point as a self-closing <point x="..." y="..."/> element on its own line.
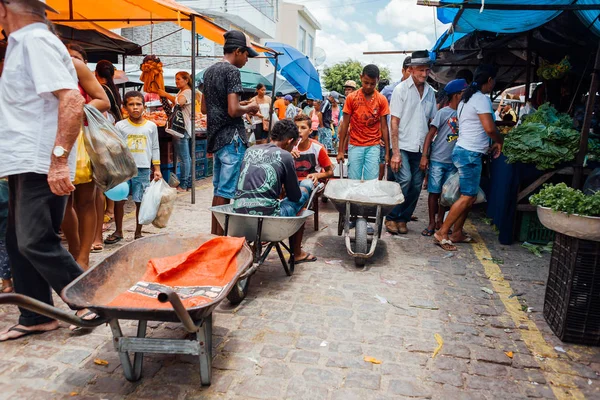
<point x="594" y="150"/>
<point x="560" y="197"/>
<point x="547" y="115"/>
<point x="537" y="250"/>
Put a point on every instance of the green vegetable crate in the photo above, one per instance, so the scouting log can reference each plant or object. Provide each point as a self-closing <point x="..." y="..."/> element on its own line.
<point x="532" y="231"/>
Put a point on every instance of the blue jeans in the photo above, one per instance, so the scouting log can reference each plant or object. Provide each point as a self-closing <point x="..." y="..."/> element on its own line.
<point x="226" y="168"/>
<point x="363" y="162"/>
<point x="139" y="184"/>
<point x="469" y="164"/>
<point x="288" y="208"/>
<point x="410" y="177"/>
<point x="182" y="152"/>
<point x="438" y="175"/>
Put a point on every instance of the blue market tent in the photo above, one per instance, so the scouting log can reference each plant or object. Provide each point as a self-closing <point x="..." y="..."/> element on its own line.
<point x="485" y="17"/>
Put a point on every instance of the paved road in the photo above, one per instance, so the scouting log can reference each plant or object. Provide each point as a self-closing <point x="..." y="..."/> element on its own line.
<point x="306" y="337"/>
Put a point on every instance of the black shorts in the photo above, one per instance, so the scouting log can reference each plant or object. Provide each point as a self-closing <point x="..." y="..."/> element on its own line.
<point x="260" y="133"/>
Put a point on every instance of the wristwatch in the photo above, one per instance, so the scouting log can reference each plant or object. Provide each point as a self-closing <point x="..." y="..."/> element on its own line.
<point x="60" y="152"/>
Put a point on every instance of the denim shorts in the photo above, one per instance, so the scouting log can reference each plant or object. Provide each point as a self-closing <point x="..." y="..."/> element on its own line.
<point x="363" y="162"/>
<point x="438" y="175"/>
<point x="469" y="164"/>
<point x="138" y="184"/>
<point x="226" y="168"/>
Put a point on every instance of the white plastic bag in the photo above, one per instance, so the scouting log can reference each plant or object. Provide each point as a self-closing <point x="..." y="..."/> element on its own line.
<point x="451" y="192"/>
<point x="151" y="202"/>
<point x="112" y="162"/>
<point x="168" y="195"/>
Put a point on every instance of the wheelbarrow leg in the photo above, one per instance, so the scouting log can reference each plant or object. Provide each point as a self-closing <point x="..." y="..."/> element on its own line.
<point x="132" y="373"/>
<point x="204" y="337"/>
<point x="288" y="267"/>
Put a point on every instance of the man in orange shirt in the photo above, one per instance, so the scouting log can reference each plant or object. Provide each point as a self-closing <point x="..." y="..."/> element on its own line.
<point x="366" y="110"/>
<point x="279" y="106"/>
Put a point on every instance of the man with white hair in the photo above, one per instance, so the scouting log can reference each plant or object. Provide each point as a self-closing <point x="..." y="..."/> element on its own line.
<point x="41" y="111"/>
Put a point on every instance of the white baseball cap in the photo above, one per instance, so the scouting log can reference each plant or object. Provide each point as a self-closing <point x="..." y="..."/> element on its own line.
<point x="46" y="6"/>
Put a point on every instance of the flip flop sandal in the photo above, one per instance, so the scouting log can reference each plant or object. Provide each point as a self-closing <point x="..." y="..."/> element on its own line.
<point x="112" y="239"/>
<point x="97" y="248"/>
<point x="446" y="245"/>
<point x="427" y="232"/>
<point x="467" y="239"/>
<point x="75" y="328"/>
<point x="306" y="259"/>
<point x="7" y="289"/>
<point x="25" y="332"/>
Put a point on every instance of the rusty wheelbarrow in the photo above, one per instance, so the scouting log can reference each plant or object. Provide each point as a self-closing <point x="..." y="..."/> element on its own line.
<point x="98" y="286"/>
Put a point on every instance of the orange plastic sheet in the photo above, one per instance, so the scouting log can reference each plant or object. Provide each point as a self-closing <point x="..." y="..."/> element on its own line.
<point x="197" y="276"/>
<point x="114" y="14"/>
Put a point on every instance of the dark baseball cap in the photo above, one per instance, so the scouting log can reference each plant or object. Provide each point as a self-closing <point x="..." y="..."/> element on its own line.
<point x="239" y="39"/>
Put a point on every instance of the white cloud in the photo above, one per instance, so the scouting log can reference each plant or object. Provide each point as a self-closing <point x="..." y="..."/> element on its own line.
<point x="360" y="27"/>
<point x="413" y="41"/>
<point x="345" y="11"/>
<point x="407" y="15"/>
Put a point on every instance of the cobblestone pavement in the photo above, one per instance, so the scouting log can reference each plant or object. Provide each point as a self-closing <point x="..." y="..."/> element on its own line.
<point x="306" y="337"/>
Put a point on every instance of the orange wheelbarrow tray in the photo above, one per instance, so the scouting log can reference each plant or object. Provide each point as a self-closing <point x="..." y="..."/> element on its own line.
<point x="98" y="286"/>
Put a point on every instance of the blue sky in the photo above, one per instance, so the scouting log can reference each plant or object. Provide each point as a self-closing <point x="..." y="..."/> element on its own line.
<point x="353" y="26"/>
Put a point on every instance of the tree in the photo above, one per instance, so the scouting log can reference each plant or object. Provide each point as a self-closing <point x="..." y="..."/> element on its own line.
<point x="335" y="76"/>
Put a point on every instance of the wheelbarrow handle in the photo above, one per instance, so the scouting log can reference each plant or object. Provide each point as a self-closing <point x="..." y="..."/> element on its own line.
<point x="49" y="311"/>
<point x="168" y="295"/>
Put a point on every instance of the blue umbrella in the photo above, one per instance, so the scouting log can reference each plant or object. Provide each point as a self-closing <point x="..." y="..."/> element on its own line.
<point x="297" y="69"/>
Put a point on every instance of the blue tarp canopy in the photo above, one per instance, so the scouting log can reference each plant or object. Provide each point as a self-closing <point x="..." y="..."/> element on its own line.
<point x="507" y="21"/>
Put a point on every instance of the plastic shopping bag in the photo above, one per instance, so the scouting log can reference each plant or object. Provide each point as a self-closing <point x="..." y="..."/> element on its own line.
<point x="112" y="162"/>
<point x="83" y="170"/>
<point x="451" y="192"/>
<point x="168" y="195"/>
<point x="151" y="202"/>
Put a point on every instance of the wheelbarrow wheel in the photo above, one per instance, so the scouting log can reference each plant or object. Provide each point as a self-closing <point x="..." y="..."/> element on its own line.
<point x="360" y="241"/>
<point x="239" y="291"/>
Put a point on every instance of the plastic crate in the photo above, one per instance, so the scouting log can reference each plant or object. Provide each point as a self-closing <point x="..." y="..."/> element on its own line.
<point x="200" y="168"/>
<point x="572" y="300"/>
<point x="533" y="231"/>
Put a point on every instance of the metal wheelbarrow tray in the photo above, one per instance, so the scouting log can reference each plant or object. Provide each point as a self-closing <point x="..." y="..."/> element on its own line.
<point x="115" y="275"/>
<point x="366" y="201"/>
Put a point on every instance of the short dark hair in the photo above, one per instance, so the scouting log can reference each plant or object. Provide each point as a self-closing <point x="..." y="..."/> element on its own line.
<point x="465" y="74"/>
<point x="302" y="118"/>
<point x="284" y="130"/>
<point x="371" y="70"/>
<point x="79" y="49"/>
<point x="131" y="94"/>
<point x="406" y="62"/>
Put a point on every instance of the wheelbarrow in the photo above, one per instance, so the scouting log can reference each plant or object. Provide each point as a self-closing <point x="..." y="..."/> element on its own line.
<point x="362" y="201"/>
<point x="264" y="233"/>
<point x="98" y="286"/>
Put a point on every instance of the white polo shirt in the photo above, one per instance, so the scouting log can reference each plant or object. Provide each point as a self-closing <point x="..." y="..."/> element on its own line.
<point x="37" y="63"/>
<point x="414" y="112"/>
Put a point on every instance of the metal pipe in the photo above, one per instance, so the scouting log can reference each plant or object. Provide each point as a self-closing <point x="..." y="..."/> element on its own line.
<point x="273" y="94"/>
<point x="513" y="6"/>
<point x="587" y="122"/>
<point x="49" y="311"/>
<point x="193" y="132"/>
<point x="170" y="296"/>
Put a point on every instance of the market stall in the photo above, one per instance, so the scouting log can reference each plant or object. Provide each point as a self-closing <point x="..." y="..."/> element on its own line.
<point x="114" y="14"/>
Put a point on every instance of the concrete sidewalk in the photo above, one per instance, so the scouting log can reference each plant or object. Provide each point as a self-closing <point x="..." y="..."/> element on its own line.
<point x="307" y="336"/>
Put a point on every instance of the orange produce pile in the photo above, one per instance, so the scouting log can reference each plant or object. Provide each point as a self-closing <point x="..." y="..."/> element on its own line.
<point x="158" y="117"/>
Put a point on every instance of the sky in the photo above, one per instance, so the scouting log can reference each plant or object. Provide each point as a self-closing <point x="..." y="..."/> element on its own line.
<point x="350" y="27"/>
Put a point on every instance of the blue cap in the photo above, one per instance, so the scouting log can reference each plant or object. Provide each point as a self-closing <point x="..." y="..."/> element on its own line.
<point x="288" y="97"/>
<point x="456" y="86"/>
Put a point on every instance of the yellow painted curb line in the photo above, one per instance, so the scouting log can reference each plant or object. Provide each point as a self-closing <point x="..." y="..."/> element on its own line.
<point x="556" y="371"/>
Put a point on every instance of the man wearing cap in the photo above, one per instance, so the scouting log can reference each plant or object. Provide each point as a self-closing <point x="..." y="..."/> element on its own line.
<point x="412" y="107"/>
<point x="290" y="108"/>
<point x="40" y="113"/>
<point x="225" y="128"/>
<point x="349" y="87"/>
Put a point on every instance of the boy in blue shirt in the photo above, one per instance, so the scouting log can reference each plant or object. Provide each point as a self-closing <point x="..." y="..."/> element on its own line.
<point x="444" y="128"/>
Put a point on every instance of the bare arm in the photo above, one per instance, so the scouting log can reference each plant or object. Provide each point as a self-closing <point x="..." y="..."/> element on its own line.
<point x="426" y="146"/>
<point x="492" y="131"/>
<point x="70" y="115"/>
<point x="320" y="115"/>
<point x="342" y="134"/>
<point x="396" y="159"/>
<point x="203" y="105"/>
<point x="91" y="86"/>
<point x="386" y="137"/>
<point x="236" y="110"/>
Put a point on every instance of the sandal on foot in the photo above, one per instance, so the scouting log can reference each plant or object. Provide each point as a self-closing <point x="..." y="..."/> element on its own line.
<point x="446" y="245"/>
<point x="25" y="332"/>
<point x="75" y="328"/>
<point x="7" y="289"/>
<point x="112" y="239"/>
<point x="428" y="232"/>
<point x="97" y="248"/>
<point x="309" y="258"/>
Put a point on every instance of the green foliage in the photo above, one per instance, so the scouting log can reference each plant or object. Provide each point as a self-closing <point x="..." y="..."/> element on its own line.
<point x="544" y="139"/>
<point x="335" y="76"/>
<point x="563" y="198"/>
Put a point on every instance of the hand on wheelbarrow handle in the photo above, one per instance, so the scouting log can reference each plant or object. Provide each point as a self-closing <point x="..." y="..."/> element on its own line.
<point x="170" y="296"/>
<point x="49" y="311"/>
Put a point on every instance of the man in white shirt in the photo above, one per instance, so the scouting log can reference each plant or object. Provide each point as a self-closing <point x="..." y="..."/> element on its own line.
<point x="41" y="111"/>
<point x="412" y="107"/>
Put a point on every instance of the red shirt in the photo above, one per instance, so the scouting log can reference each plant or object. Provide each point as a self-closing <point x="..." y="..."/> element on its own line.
<point x="312" y="161"/>
<point x="365" y="117"/>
